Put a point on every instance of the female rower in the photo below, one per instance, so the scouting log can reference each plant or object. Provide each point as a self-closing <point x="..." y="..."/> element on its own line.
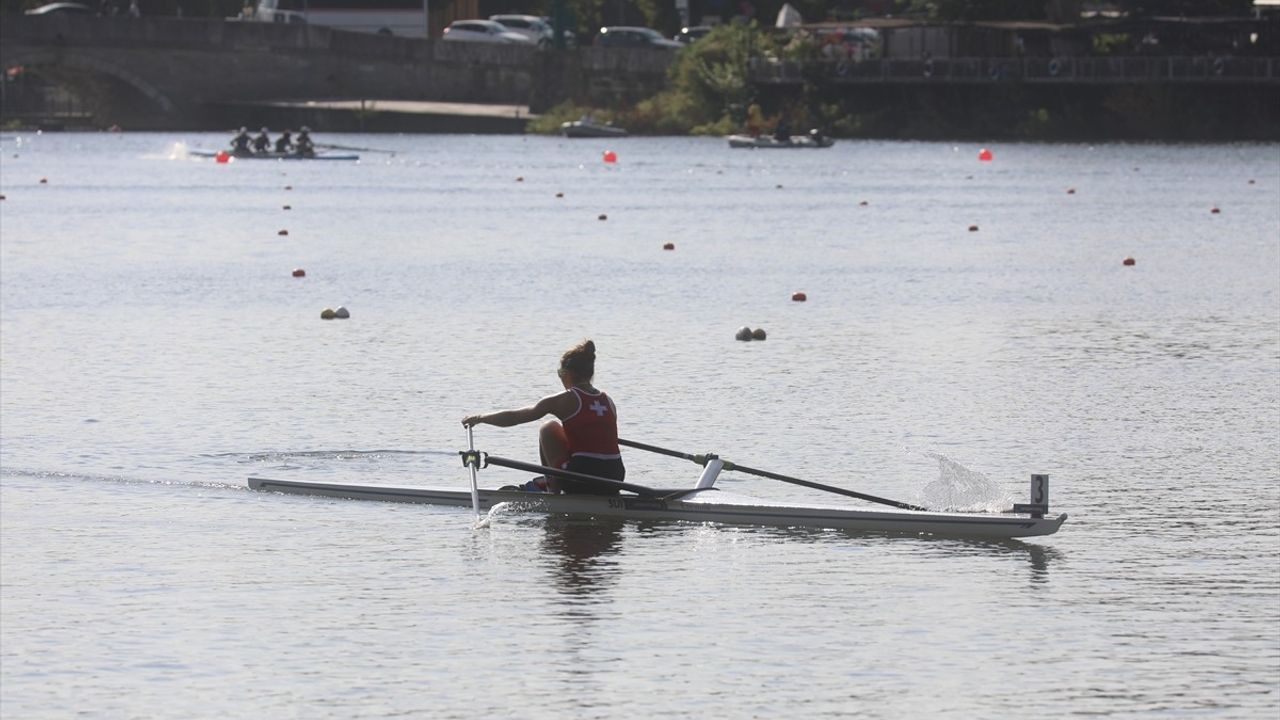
<point x="584" y="439"/>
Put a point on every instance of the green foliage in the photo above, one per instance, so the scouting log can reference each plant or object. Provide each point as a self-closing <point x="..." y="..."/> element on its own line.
<point x="707" y="88"/>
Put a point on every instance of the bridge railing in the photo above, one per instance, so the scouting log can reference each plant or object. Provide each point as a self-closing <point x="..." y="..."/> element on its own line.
<point x="1075" y="70"/>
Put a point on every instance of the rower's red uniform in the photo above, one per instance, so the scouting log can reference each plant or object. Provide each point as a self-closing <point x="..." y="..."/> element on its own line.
<point x="592" y="431"/>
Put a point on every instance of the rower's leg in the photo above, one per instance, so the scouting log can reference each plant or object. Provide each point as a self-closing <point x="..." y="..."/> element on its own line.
<point x="553" y="449"/>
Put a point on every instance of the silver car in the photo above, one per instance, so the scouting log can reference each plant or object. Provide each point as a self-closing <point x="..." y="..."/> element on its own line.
<point x="531" y="26"/>
<point x="485" y="31"/>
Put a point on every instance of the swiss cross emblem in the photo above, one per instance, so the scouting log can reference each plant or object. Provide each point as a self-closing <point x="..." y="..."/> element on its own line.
<point x="598" y="408"/>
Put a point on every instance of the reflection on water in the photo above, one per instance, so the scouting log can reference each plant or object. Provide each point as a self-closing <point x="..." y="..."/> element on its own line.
<point x="582" y="550"/>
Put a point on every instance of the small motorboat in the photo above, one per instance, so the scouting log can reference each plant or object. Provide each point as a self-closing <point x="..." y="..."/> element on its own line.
<point x="813" y="140"/>
<point x="587" y="127"/>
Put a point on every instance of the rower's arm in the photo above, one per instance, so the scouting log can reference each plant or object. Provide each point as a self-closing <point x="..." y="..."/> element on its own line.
<point x="551" y="404"/>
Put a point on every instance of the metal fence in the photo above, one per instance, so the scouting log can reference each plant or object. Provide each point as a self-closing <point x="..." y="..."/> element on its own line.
<point x="1082" y="70"/>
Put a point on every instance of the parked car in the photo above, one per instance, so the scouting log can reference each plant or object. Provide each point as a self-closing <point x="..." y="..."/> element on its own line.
<point x="531" y="26"/>
<point x="484" y="31"/>
<point x="635" y="37"/>
<point x="62" y="7"/>
<point x="690" y="34"/>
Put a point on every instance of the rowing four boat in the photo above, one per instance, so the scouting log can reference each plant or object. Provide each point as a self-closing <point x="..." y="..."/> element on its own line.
<point x="274" y="156"/>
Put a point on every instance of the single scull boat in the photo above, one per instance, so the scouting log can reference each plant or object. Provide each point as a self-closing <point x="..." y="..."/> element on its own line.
<point x="699" y="504"/>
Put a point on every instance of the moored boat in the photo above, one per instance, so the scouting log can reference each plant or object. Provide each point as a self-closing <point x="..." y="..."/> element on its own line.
<point x="588" y="128"/>
<point x="765" y="142"/>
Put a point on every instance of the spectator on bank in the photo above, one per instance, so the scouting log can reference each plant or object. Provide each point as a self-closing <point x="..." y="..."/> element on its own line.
<point x="134" y="10"/>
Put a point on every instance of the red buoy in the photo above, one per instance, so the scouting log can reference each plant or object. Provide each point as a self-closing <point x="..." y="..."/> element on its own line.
<point x="1215" y="211"/>
<point x="799" y="296"/>
<point x="1129" y="261"/>
<point x="222" y="157"/>
<point x="984" y="155"/>
<point x="299" y="272"/>
<point x="610" y="156"/>
<point x="669" y="246"/>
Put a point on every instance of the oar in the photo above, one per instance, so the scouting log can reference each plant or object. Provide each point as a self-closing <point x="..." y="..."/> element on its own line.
<point x="567" y="474"/>
<point x="702" y="460"/>
<point x="356" y="149"/>
<point x="470" y="458"/>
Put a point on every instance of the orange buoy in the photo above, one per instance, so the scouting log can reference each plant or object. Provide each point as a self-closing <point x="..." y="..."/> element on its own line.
<point x="973" y="228"/>
<point x="669" y="246"/>
<point x="758" y="334"/>
<point x="283" y="232"/>
<point x="1129" y="261"/>
<point x="299" y="272"/>
<point x="799" y="297"/>
<point x="1215" y="211"/>
<point x="610" y="156"/>
<point x="327" y="314"/>
<point x="985" y="155"/>
<point x="223" y="157"/>
<point x="602" y="216"/>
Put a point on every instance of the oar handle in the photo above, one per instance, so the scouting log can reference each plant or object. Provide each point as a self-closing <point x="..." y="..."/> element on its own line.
<point x="570" y="475"/>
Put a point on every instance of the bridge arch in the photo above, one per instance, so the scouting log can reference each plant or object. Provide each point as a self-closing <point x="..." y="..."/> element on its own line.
<point x="91" y="64"/>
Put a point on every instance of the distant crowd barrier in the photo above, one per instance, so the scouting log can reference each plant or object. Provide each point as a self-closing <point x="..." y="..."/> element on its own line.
<point x="1087" y="70"/>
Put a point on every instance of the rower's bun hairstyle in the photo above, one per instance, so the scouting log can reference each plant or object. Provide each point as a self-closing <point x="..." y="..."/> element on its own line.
<point x="580" y="360"/>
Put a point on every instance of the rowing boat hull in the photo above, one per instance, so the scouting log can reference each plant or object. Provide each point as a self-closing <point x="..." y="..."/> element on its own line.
<point x="695" y="509"/>
<point x="274" y="156"/>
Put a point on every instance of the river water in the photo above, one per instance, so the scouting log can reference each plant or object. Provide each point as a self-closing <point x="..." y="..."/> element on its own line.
<point x="156" y="351"/>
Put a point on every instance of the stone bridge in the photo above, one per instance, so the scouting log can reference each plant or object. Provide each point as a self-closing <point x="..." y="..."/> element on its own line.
<point x="171" y="72"/>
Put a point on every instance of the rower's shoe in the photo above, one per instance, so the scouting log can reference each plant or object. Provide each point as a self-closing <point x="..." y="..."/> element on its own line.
<point x="538" y="484"/>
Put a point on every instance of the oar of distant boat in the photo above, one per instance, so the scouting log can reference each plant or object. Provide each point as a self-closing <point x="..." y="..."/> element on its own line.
<point x="354" y="149"/>
<point x="704" y="459"/>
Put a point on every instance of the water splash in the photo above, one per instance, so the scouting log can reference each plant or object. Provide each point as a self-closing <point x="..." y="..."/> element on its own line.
<point x="177" y="151"/>
<point x="960" y="489"/>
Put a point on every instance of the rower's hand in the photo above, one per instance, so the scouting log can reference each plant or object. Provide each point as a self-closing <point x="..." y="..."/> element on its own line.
<point x="471" y="420"/>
